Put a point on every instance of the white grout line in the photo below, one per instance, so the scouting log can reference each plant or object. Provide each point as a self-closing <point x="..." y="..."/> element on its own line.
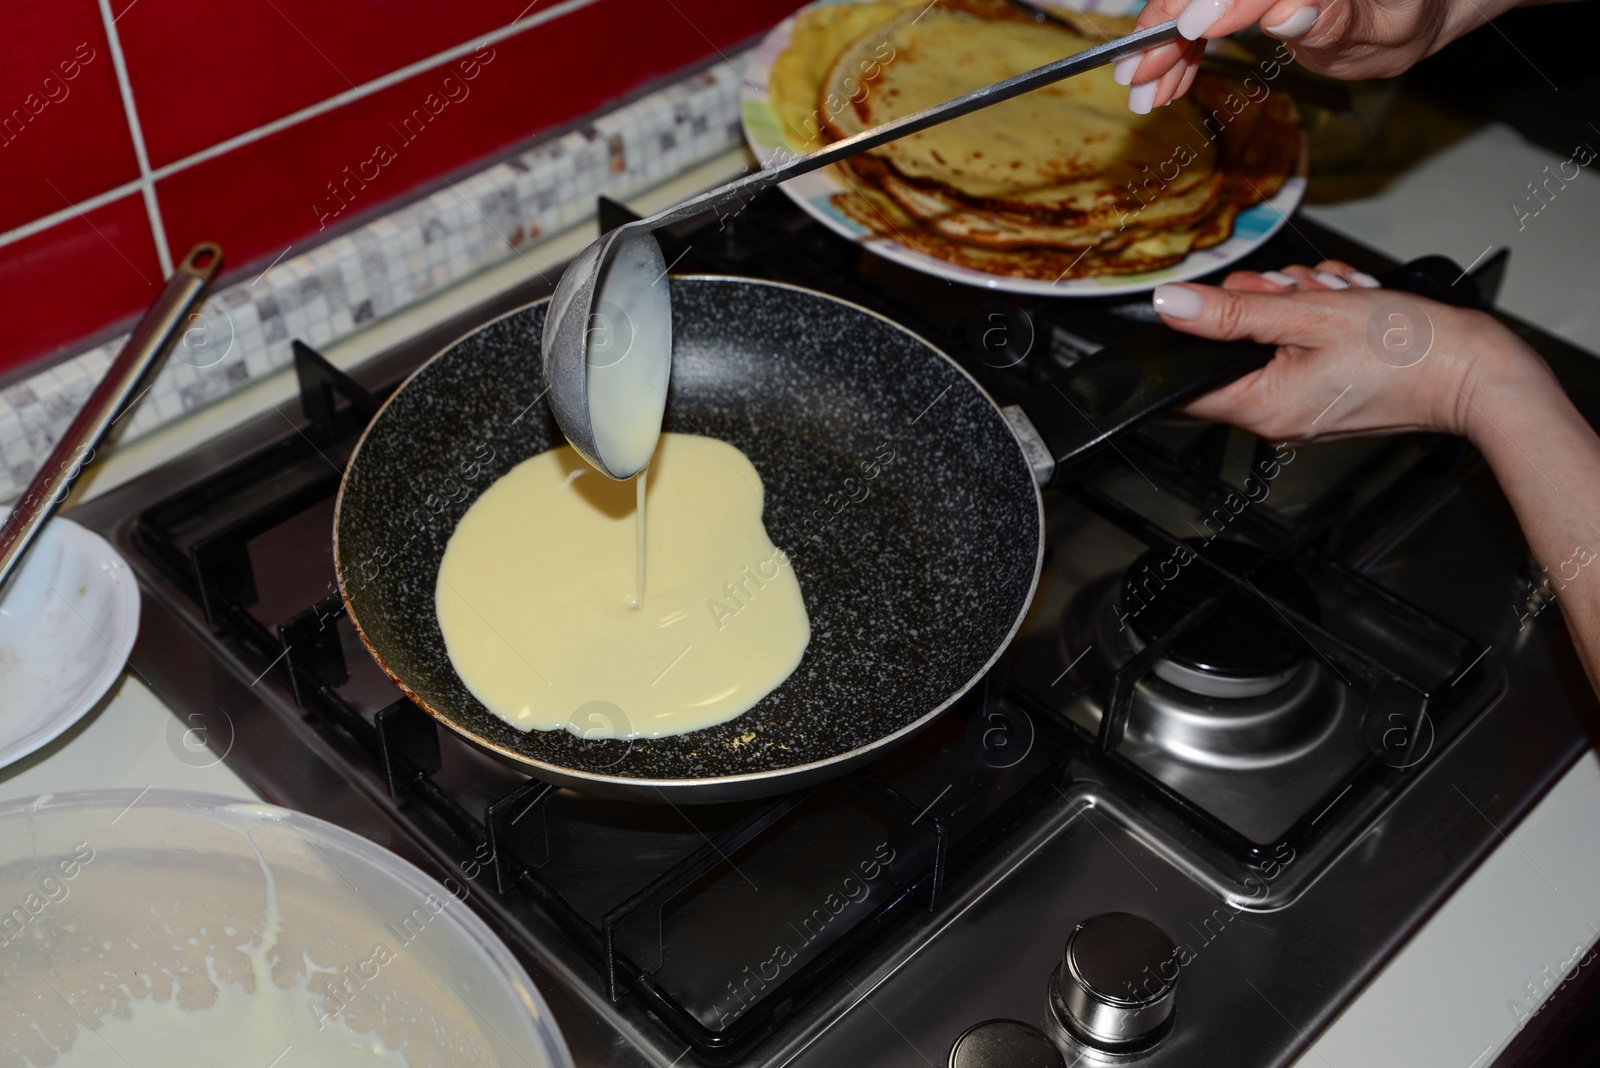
<point x="44" y="222"/>
<point x="365" y="89"/>
<point x="146" y="183"/>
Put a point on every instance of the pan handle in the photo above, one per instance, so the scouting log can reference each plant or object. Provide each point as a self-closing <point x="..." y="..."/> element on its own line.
<point x="1111" y="393"/>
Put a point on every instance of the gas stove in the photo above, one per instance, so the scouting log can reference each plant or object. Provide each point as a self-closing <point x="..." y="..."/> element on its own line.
<point x="1272" y="703"/>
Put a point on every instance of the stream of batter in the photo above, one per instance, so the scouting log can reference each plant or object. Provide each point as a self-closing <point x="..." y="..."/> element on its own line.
<point x="549" y="620"/>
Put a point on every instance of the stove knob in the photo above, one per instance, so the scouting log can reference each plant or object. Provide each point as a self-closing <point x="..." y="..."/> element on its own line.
<point x="1112" y="989"/>
<point x="1004" y="1044"/>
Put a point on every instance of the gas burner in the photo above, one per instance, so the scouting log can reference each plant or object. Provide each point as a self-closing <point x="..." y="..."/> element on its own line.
<point x="1241" y="651"/>
<point x="1274" y="718"/>
<point x="1275" y="728"/>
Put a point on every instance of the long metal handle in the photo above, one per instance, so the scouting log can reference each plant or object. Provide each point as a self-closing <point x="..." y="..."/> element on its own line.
<point x="138" y="358"/>
<point x="759" y="182"/>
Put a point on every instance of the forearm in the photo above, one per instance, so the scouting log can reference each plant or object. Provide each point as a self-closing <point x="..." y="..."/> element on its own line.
<point x="1547" y="461"/>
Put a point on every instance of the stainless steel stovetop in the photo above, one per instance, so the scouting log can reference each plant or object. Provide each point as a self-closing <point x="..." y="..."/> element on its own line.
<point x="1365" y="738"/>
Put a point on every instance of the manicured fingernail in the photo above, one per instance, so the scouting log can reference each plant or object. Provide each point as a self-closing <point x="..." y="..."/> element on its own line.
<point x="1142" y="97"/>
<point x="1332" y="281"/>
<point x="1278" y="278"/>
<point x="1180" y="302"/>
<point x="1365" y="280"/>
<point x="1296" y="25"/>
<point x="1122" y="70"/>
<point x="1200" y="16"/>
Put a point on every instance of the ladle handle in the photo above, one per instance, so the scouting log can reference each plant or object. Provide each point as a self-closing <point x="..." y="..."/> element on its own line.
<point x="155" y="332"/>
<point x="749" y="186"/>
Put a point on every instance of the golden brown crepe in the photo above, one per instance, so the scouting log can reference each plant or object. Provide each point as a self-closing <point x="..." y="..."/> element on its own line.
<point x="795" y="83"/>
<point x="1062" y="182"/>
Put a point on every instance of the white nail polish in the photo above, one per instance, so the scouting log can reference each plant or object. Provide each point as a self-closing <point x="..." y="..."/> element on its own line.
<point x="1332" y="281"/>
<point x="1200" y="16"/>
<point x="1365" y="280"/>
<point x="1297" y="25"/>
<point x="1180" y="302"/>
<point x="1278" y="278"/>
<point x="1122" y="70"/>
<point x="1142" y="97"/>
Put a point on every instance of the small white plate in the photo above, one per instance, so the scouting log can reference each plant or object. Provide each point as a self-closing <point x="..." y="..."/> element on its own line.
<point x="67" y="624"/>
<point x="814" y="193"/>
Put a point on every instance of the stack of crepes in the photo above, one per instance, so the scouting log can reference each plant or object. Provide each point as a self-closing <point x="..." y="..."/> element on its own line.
<point x="1062" y="182"/>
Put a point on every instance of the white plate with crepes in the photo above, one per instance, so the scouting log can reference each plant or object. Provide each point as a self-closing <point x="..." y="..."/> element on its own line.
<point x="68" y="621"/>
<point x="834" y="199"/>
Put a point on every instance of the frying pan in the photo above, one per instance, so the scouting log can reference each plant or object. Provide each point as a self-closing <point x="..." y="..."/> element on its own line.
<point x="907" y="502"/>
<point x="903" y="499"/>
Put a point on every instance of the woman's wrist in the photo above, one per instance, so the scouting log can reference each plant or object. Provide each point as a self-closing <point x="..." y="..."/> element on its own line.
<point x="1503" y="387"/>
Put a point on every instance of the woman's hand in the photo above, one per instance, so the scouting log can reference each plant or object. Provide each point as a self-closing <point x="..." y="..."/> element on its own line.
<point x="1352" y="359"/>
<point x="1342" y="38"/>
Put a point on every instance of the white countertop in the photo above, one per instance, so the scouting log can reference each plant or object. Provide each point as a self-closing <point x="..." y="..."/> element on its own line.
<point x="1444" y="999"/>
<point x="1459" y="202"/>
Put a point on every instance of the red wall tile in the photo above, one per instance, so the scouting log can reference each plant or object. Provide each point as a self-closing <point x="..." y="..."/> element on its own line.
<point x="72" y="280"/>
<point x="69" y="132"/>
<point x="262" y="196"/>
<point x="274" y="57"/>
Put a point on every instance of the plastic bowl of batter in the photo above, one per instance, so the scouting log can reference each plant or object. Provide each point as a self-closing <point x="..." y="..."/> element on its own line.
<point x="136" y="928"/>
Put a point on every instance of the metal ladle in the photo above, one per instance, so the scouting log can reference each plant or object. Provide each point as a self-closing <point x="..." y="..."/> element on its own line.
<point x="570" y="323"/>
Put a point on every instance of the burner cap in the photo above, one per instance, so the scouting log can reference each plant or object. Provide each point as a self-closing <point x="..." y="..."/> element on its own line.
<point x="1246" y="638"/>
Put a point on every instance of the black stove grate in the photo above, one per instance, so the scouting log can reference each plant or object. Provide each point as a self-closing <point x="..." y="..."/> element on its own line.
<point x="1408" y="710"/>
<point x="523" y="831"/>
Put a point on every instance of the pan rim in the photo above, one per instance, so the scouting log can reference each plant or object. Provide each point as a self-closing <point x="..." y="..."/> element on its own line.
<point x="577" y="779"/>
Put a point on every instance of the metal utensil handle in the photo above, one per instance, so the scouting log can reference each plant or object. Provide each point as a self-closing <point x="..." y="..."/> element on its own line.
<point x="150" y="339"/>
<point x="747" y="187"/>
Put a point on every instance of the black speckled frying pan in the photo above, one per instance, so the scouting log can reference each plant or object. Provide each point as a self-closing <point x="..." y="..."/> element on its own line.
<point x="892" y="481"/>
